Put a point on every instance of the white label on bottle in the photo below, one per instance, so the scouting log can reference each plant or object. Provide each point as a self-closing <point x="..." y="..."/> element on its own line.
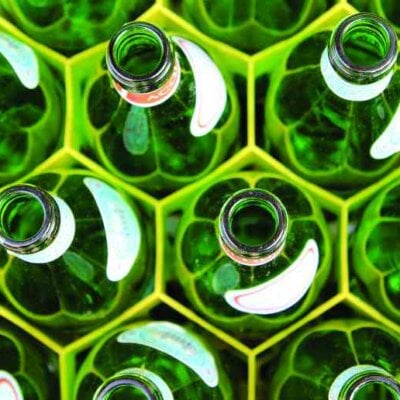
<point x="160" y="384"/>
<point x="155" y="97"/>
<point x="211" y="94"/>
<point x="61" y="242"/>
<point x="281" y="292"/>
<point x="22" y="59"/>
<point x="175" y="341"/>
<point x="349" y="374"/>
<point x="121" y="227"/>
<point x="388" y="143"/>
<point x="347" y="90"/>
<point x="9" y="387"/>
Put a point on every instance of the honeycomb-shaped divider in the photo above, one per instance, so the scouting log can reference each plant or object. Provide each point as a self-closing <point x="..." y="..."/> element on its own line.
<point x="28" y="356"/>
<point x="93" y="128"/>
<point x="53" y="308"/>
<point x="346" y="326"/>
<point x="263" y="24"/>
<point x="373" y="226"/>
<point x="246" y="360"/>
<point x="232" y="361"/>
<point x="27" y="113"/>
<point x="249" y="168"/>
<point x="297" y="123"/>
<point x="71" y="27"/>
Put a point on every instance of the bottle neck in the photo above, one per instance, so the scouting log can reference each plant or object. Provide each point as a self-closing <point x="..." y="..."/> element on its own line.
<point x="364" y="382"/>
<point x="135" y="383"/>
<point x="253" y="226"/>
<point x="359" y="60"/>
<point x="9" y="386"/>
<point x="29" y="219"/>
<point x="142" y="62"/>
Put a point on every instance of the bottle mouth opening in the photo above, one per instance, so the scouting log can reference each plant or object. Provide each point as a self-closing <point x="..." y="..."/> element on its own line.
<point x="140" y="56"/>
<point x="374" y="387"/>
<point x="127" y="387"/>
<point x="28" y="218"/>
<point x="253" y="226"/>
<point x="363" y="47"/>
<point x="364" y="382"/>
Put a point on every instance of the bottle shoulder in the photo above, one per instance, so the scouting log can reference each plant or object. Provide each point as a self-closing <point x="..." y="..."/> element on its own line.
<point x="216" y="280"/>
<point x="164" y="349"/>
<point x="329" y="348"/>
<point x="104" y="222"/>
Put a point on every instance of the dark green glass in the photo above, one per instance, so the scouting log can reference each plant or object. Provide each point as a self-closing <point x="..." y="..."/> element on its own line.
<point x="71" y="26"/>
<point x="152" y="361"/>
<point x="23" y="368"/>
<point x="250" y="26"/>
<point x="239" y="245"/>
<point x="74" y="250"/>
<point x="339" y="360"/>
<point x="154" y="135"/>
<point x="388" y="9"/>
<point x="376" y="257"/>
<point x="31" y="113"/>
<point x="340" y="130"/>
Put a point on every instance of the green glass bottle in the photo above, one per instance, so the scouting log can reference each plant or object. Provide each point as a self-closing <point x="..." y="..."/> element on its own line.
<point x="154" y="361"/>
<point x="24" y="371"/>
<point x="79" y="238"/>
<point x="339" y="360"/>
<point x="375" y="256"/>
<point x="340" y="130"/>
<point x="30" y="109"/>
<point x="253" y="252"/>
<point x="162" y="127"/>
<point x="388" y="9"/>
<point x="71" y="26"/>
<point x="251" y="26"/>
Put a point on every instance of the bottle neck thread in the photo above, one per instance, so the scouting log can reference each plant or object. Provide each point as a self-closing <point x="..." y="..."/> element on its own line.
<point x="29" y="219"/>
<point x="140" y="58"/>
<point x="363" y="48"/>
<point x="135" y="383"/>
<point x="363" y="382"/>
<point x="266" y="220"/>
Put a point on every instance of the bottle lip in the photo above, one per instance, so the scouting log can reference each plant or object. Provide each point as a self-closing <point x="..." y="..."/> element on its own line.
<point x="352" y="71"/>
<point x="253" y="255"/>
<point x="120" y="382"/>
<point x="128" y="378"/>
<point x="350" y="381"/>
<point x="388" y="381"/>
<point x="146" y="82"/>
<point x="50" y="224"/>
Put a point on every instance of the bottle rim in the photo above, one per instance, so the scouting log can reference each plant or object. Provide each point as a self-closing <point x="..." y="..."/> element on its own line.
<point x="145" y="82"/>
<point x="387" y="381"/>
<point x="349" y="382"/>
<point x="366" y="73"/>
<point x="128" y="378"/>
<point x="50" y="224"/>
<point x="253" y="255"/>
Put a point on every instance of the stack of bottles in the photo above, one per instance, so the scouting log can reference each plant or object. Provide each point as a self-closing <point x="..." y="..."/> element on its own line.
<point x="199" y="200"/>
